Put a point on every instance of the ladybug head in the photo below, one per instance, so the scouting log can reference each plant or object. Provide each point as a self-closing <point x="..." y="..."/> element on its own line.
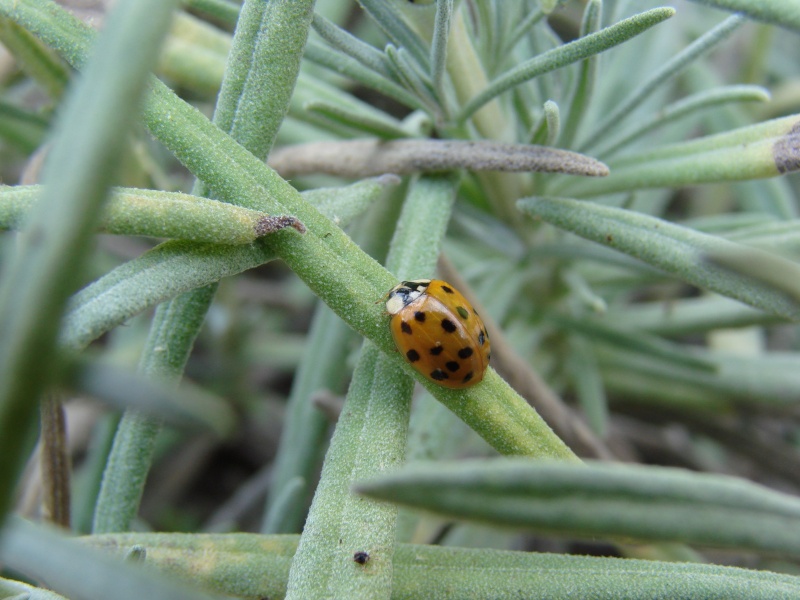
<point x="404" y="294"/>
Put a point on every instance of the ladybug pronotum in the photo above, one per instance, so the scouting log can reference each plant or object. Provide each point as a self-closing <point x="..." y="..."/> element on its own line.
<point x="438" y="332"/>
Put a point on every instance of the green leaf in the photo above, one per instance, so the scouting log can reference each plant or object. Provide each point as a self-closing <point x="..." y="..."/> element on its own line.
<point x="607" y="500"/>
<point x="43" y="554"/>
<point x="40" y="62"/>
<point x="670" y="68"/>
<point x="159" y="214"/>
<point x="45" y="268"/>
<point x="347" y="43"/>
<point x="305" y="427"/>
<point x="256" y="566"/>
<point x="568" y="53"/>
<point x="172" y="268"/>
<point x="339" y="62"/>
<point x="777" y="12"/>
<point x="16" y="590"/>
<point x="766" y="381"/>
<point x="687" y="107"/>
<point x="223" y="10"/>
<point x="369" y="438"/>
<point x="677" y="250"/>
<point x="378" y="125"/>
<point x="375" y="415"/>
<point x="390" y="19"/>
<point x="333" y="267"/>
<point x="21" y="129"/>
<point x="184" y="408"/>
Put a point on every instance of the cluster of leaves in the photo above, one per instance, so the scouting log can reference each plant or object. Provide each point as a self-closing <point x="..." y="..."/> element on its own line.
<point x="667" y="317"/>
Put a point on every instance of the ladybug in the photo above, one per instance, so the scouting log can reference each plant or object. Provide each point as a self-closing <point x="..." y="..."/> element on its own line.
<point x="438" y="332"/>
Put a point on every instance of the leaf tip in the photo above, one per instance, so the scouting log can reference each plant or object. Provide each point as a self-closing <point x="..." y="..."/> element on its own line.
<point x="270" y="224"/>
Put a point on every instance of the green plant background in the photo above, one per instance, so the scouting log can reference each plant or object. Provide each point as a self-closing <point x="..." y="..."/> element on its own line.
<point x="196" y="371"/>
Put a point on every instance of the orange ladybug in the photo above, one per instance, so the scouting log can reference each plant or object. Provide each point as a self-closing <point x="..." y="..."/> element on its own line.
<point x="438" y="332"/>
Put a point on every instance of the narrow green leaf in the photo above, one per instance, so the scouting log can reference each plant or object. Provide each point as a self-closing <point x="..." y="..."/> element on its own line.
<point x="289" y="501"/>
<point x="552" y="117"/>
<point x="677" y="250"/>
<point x="587" y="77"/>
<point x="255" y="566"/>
<point x="344" y="65"/>
<point x="671" y="67"/>
<point x="190" y="409"/>
<point x="768" y="381"/>
<point x="369" y="438"/>
<point x="21" y="129"/>
<point x="687" y="107"/>
<point x="162" y="273"/>
<point x="610" y="500"/>
<point x="344" y="204"/>
<point x="194" y="56"/>
<point x="302" y="446"/>
<point x="411" y="75"/>
<point x="88" y="478"/>
<point x="261" y="71"/>
<point x="765" y="158"/>
<point x="441" y="33"/>
<point x="222" y="10"/>
<point x="328" y="261"/>
<point x="160" y="214"/>
<point x="390" y="19"/>
<point x="259" y="80"/>
<point x="382" y="126"/>
<point x="172" y="268"/>
<point x="38" y="61"/>
<point x="567" y="54"/>
<point x="45" y="268"/>
<point x="42" y="554"/>
<point x="778" y="12"/>
<point x="375" y="415"/>
<point x="633" y="341"/>
<point x="165" y="353"/>
<point x="531" y="19"/>
<point x="775" y="271"/>
<point x="350" y="45"/>
<point x="781" y="128"/>
<point x="588" y="384"/>
<point x="16" y="590"/>
<point x="690" y="315"/>
<point x="417" y="240"/>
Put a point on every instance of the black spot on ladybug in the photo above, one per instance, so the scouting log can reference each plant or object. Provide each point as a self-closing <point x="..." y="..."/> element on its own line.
<point x="448" y="325"/>
<point x="447" y="290"/>
<point x="412" y="355"/>
<point x="406" y="328"/>
<point x="361" y="557"/>
<point x="481" y="337"/>
<point x="439" y="375"/>
<point x="452" y="366"/>
<point x="467" y="377"/>
<point x="419" y="316"/>
<point x="437" y="350"/>
<point x="489" y="356"/>
<point x="465" y="352"/>
<point x="462" y="312"/>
